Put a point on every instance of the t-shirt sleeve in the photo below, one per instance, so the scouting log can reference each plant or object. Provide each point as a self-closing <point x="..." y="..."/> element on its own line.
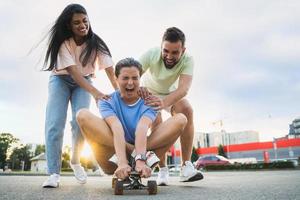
<point x="188" y="66"/>
<point x="65" y="58"/>
<point x="103" y="61"/>
<point x="106" y="109"/>
<point x="150" y="113"/>
<point x="144" y="60"/>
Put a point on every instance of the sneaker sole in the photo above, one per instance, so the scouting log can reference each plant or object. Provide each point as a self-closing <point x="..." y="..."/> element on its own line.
<point x="162" y="184"/>
<point x="196" y="177"/>
<point x="81" y="181"/>
<point x="50" y="186"/>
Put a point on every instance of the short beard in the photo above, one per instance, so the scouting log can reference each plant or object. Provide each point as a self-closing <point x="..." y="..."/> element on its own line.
<point x="169" y="66"/>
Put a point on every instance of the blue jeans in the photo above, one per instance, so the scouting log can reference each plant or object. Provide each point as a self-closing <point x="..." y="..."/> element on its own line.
<point x="62" y="90"/>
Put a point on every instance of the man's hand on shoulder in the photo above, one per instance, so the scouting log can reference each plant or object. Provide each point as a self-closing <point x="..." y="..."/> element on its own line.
<point x="143" y="92"/>
<point x="155" y="102"/>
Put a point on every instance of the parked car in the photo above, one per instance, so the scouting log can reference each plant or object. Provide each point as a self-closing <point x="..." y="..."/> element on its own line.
<point x="211" y="160"/>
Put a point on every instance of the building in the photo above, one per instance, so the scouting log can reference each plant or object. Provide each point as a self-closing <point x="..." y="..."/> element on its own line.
<point x="282" y="148"/>
<point x="224" y="138"/>
<point x="295" y="128"/>
<point x="38" y="163"/>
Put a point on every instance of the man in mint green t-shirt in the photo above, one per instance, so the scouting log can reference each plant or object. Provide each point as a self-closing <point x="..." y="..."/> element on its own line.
<point x="168" y="73"/>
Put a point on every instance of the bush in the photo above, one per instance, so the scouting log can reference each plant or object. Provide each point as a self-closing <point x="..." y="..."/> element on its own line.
<point x="66" y="170"/>
<point x="257" y="166"/>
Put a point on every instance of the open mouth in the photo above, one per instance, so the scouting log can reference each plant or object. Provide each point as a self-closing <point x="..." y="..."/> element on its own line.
<point x="129" y="89"/>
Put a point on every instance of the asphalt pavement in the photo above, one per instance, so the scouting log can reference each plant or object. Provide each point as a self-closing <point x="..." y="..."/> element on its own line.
<point x="278" y="184"/>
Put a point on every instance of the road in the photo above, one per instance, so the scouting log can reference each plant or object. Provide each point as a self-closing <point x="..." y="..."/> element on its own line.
<point x="280" y="184"/>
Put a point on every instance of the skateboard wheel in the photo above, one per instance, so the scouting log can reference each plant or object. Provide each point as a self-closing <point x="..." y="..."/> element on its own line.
<point x="113" y="182"/>
<point x="152" y="187"/>
<point x="119" y="188"/>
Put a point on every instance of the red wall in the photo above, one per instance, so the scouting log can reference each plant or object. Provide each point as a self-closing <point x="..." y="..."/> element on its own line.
<point x="252" y="146"/>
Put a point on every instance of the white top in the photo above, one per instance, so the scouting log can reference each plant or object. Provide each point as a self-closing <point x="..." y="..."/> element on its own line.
<point x="69" y="54"/>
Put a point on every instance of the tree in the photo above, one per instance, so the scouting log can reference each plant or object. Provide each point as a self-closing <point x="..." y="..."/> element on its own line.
<point x="66" y="157"/>
<point x="221" y="151"/>
<point x="194" y="156"/>
<point x="65" y="160"/>
<point x="21" y="155"/>
<point x="6" y="141"/>
<point x="40" y="148"/>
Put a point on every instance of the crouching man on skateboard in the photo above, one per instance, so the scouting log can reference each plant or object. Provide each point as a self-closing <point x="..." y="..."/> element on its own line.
<point x="122" y="130"/>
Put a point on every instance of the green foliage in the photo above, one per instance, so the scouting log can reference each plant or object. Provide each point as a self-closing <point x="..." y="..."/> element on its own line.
<point x="194" y="156"/>
<point x="6" y="140"/>
<point x="256" y="166"/>
<point x="221" y="151"/>
<point x="86" y="163"/>
<point x="19" y="155"/>
<point x="40" y="148"/>
<point x="65" y="160"/>
<point x="68" y="169"/>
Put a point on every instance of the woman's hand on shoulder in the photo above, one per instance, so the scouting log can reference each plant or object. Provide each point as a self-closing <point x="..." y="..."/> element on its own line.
<point x="100" y="96"/>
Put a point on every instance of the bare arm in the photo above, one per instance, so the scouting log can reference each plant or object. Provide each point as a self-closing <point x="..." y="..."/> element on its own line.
<point x="110" y="74"/>
<point x="141" y="135"/>
<point x="82" y="82"/>
<point x="184" y="85"/>
<point x="118" y="137"/>
<point x="140" y="145"/>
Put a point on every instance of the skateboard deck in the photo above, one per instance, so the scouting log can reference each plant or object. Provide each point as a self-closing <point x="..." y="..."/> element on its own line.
<point x="133" y="182"/>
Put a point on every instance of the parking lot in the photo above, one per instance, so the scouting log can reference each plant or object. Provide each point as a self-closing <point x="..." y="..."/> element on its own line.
<point x="279" y="184"/>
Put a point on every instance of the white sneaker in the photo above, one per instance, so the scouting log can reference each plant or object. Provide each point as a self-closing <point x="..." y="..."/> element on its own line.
<point x="114" y="159"/>
<point x="188" y="173"/>
<point x="52" y="181"/>
<point x="163" y="177"/>
<point x="79" y="173"/>
<point x="152" y="159"/>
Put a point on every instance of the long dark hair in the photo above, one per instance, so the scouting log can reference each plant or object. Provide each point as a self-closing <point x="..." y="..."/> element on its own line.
<point x="60" y="32"/>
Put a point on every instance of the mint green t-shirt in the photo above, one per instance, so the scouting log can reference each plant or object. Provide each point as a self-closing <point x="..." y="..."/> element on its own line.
<point x="159" y="79"/>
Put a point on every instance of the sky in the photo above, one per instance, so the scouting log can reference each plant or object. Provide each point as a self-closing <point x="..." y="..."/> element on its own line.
<point x="246" y="55"/>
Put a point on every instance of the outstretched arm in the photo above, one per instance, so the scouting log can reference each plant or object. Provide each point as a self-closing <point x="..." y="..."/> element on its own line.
<point x="120" y="146"/>
<point x="185" y="82"/>
<point x="140" y="145"/>
<point x="184" y="85"/>
<point x="82" y="82"/>
<point x="110" y="74"/>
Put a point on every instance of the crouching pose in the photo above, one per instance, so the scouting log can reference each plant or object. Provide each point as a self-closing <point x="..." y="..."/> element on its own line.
<point x="123" y="128"/>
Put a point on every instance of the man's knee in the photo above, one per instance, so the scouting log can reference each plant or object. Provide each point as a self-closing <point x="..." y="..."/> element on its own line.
<point x="184" y="107"/>
<point x="82" y="115"/>
<point x="188" y="110"/>
<point x="180" y="119"/>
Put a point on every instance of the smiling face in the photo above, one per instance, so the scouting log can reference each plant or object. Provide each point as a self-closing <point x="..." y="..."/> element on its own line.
<point x="79" y="27"/>
<point x="171" y="52"/>
<point x="129" y="83"/>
